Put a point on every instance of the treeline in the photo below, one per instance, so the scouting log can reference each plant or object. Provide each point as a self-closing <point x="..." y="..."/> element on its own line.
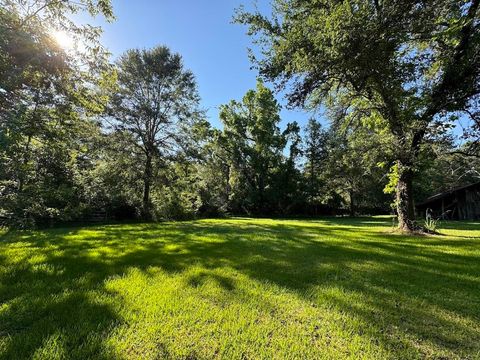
<point x="80" y="136"/>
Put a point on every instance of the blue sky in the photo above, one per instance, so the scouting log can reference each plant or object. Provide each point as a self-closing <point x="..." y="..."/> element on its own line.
<point x="203" y="33"/>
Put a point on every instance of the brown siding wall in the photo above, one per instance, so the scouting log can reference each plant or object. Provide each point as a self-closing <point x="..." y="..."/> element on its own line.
<point x="462" y="204"/>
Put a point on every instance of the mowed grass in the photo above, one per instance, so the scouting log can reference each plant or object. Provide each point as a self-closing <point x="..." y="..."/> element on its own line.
<point x="241" y="289"/>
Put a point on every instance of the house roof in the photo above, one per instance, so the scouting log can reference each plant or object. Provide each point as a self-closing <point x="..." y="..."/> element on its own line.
<point x="446" y="193"/>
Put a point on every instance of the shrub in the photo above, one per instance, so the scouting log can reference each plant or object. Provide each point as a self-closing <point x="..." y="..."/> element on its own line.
<point x="430" y="225"/>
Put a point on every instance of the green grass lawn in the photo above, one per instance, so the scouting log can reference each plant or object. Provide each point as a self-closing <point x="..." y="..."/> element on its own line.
<point x="241" y="289"/>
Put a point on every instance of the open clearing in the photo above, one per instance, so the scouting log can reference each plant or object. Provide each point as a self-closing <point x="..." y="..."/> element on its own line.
<point x="241" y="288"/>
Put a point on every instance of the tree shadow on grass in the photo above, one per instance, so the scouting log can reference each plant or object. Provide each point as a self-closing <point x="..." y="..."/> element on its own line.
<point x="463" y="225"/>
<point x="53" y="311"/>
<point x="426" y="290"/>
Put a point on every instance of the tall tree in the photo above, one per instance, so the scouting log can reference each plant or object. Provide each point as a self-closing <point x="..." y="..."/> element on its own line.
<point x="409" y="63"/>
<point x="254" y="144"/>
<point x="156" y="97"/>
<point x="352" y="168"/>
<point x="288" y="184"/>
<point x="315" y="154"/>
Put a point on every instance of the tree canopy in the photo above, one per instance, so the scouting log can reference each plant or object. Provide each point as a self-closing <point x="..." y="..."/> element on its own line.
<point x="154" y="100"/>
<point x="84" y="136"/>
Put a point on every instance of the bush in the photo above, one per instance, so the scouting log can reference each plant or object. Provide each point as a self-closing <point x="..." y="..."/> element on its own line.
<point x="169" y="204"/>
<point x="430" y="225"/>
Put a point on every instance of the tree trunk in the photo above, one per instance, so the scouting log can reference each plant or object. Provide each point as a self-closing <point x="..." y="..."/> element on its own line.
<point x="26" y="159"/>
<point x="228" y="188"/>
<point x="261" y="193"/>
<point x="352" y="203"/>
<point x="405" y="206"/>
<point x="147" y="179"/>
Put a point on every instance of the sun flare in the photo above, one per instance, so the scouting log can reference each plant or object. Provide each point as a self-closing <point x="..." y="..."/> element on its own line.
<point x="63" y="39"/>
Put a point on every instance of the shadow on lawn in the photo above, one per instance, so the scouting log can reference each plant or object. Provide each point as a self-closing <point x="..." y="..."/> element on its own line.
<point x="52" y="305"/>
<point x="423" y="287"/>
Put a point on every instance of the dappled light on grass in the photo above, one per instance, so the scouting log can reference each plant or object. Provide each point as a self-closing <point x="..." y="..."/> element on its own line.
<point x="251" y="288"/>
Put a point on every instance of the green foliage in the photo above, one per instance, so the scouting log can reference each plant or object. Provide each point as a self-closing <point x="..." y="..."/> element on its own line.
<point x="405" y="65"/>
<point x="316" y="154"/>
<point x="392" y="180"/>
<point x="431" y="225"/>
<point x="80" y="136"/>
<point x="352" y="170"/>
<point x="442" y="168"/>
<point x="252" y="144"/>
<point x="154" y="100"/>
<point x="46" y="97"/>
